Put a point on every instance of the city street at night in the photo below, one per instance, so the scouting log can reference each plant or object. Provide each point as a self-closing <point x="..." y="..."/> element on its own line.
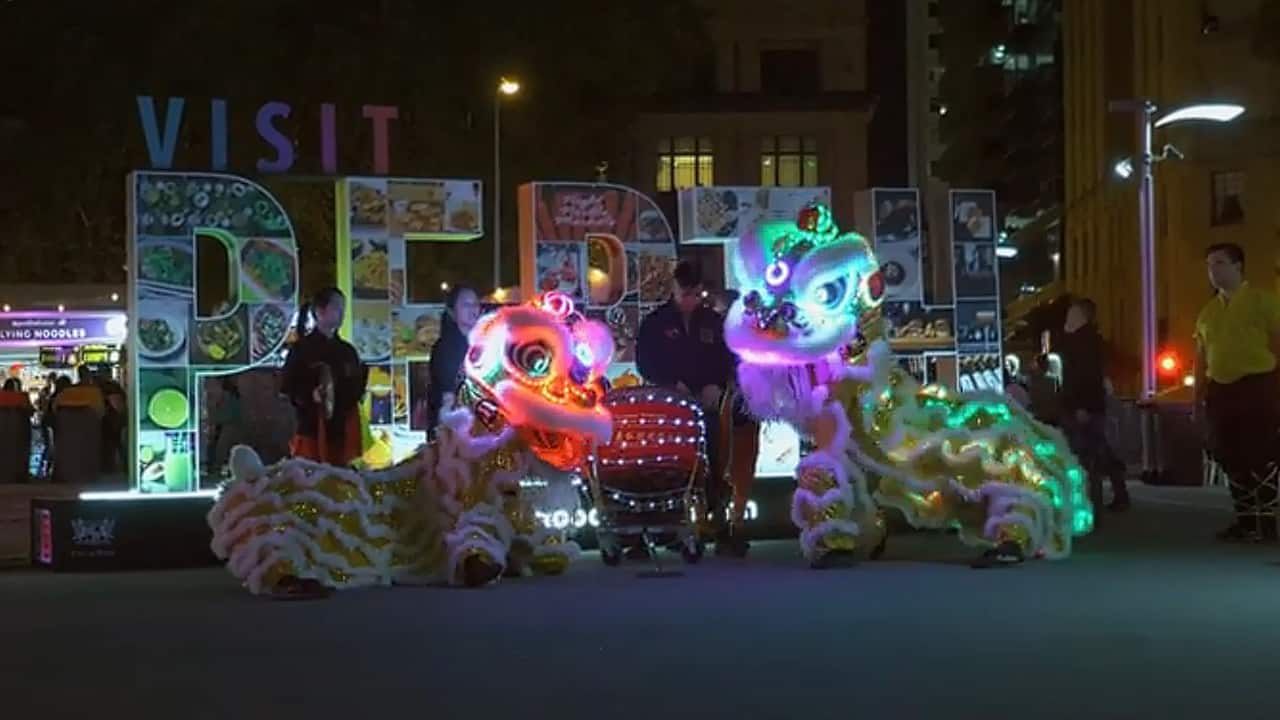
<point x="301" y="297"/>
<point x="1149" y="619"/>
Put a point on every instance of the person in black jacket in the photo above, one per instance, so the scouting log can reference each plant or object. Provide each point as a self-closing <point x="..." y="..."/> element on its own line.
<point x="325" y="380"/>
<point x="1083" y="402"/>
<point x="681" y="347"/>
<point x="462" y="310"/>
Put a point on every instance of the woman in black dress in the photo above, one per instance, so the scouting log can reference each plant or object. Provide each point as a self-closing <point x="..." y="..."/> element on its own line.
<point x="462" y="310"/>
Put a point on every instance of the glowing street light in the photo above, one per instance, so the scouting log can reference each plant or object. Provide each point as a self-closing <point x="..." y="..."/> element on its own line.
<point x="1144" y="112"/>
<point x="1215" y="112"/>
<point x="1124" y="168"/>
<point x="506" y="88"/>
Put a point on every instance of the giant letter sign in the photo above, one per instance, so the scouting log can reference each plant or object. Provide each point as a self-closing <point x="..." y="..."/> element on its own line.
<point x="609" y="247"/>
<point x="175" y="342"/>
<point x="376" y="219"/>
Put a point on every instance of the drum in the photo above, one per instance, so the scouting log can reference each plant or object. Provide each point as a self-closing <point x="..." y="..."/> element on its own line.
<point x="657" y="443"/>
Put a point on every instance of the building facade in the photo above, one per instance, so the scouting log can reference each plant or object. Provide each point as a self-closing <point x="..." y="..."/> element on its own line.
<point x="1225" y="190"/>
<point x="790" y="108"/>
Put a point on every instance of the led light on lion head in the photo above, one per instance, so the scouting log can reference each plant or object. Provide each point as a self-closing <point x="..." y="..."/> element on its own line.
<point x="804" y="286"/>
<point x="540" y="366"/>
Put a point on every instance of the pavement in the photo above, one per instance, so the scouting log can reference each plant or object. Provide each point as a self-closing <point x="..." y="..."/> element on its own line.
<point x="1149" y="619"/>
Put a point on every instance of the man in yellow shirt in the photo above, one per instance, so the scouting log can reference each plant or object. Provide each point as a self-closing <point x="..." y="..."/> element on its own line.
<point x="1238" y="391"/>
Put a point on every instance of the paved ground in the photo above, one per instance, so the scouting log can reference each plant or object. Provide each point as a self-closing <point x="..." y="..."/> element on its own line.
<point x="1148" y="620"/>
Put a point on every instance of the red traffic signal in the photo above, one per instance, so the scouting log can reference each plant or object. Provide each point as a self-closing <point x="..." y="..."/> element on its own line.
<point x="1168" y="363"/>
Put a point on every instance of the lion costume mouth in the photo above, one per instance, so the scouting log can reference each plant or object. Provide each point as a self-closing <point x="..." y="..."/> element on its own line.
<point x="540" y="366"/>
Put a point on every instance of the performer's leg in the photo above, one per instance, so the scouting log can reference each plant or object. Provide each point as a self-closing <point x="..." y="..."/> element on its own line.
<point x="746" y="449"/>
<point x="742" y="473"/>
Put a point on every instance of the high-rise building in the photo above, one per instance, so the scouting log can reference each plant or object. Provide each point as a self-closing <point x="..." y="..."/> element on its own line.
<point x="1174" y="54"/>
<point x="999" y="112"/>
<point x="790" y="106"/>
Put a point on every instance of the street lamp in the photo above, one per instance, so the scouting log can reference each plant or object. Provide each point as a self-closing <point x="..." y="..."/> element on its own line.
<point x="1144" y="112"/>
<point x="506" y="88"/>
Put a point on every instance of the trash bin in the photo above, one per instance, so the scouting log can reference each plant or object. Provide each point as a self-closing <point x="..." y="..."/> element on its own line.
<point x="77" y="435"/>
<point x="15" y="437"/>
<point x="1179" y="446"/>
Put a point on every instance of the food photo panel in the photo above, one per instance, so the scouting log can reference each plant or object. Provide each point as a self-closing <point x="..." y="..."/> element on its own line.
<point x="416" y="207"/>
<point x="221" y="341"/>
<point x="977" y="325"/>
<point x="369" y="206"/>
<point x="268" y="271"/>
<point x="268" y="328"/>
<point x="415" y="329"/>
<point x="371" y="330"/>
<point x="559" y="268"/>
<point x="165" y="399"/>
<point x="370" y="269"/>
<point x="165" y="267"/>
<point x="912" y="327"/>
<point x="161" y="333"/>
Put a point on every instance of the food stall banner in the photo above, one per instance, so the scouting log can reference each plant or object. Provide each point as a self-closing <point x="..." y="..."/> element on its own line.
<point x="717" y="215"/>
<point x="376" y="218"/>
<point x="607" y="246"/>
<point x="974" y="229"/>
<point x="896" y="240"/>
<point x="213" y="283"/>
<point x="61" y="329"/>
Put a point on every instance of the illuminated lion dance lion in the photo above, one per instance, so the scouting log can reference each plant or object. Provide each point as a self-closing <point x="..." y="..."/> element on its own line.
<point x="975" y="462"/>
<point x="528" y="413"/>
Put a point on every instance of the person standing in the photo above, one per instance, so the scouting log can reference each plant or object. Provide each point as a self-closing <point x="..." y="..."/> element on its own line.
<point x="681" y="347"/>
<point x="325" y="381"/>
<point x="1237" y="393"/>
<point x="1083" y="401"/>
<point x="461" y="312"/>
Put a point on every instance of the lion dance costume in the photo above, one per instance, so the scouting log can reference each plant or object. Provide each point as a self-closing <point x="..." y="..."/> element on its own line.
<point x="805" y="330"/>
<point x="530" y="408"/>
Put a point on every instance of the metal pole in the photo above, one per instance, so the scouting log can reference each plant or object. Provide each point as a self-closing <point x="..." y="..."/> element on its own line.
<point x="1147" y="255"/>
<point x="497" y="190"/>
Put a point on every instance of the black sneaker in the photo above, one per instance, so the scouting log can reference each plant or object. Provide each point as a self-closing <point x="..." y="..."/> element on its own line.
<point x="1006" y="554"/>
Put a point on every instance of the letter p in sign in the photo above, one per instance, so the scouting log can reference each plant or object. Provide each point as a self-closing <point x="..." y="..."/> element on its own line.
<point x="213" y="288"/>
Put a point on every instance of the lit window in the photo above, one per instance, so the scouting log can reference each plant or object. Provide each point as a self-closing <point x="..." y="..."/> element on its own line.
<point x="685" y="162"/>
<point x="789" y="161"/>
<point x="1228" y="198"/>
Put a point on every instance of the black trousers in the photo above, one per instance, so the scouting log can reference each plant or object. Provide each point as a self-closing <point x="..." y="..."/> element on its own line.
<point x="1089" y="442"/>
<point x="1244" y="427"/>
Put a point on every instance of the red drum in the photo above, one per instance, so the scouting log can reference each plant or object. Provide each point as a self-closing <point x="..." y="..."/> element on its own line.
<point x="649" y="478"/>
<point x="657" y="440"/>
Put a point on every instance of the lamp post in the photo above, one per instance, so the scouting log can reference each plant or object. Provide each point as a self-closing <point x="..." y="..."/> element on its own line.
<point x="506" y="88"/>
<point x="1144" y="111"/>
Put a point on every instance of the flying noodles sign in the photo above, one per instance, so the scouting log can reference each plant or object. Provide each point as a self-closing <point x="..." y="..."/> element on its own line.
<point x="161" y="129"/>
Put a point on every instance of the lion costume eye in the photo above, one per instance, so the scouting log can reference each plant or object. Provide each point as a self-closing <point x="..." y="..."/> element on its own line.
<point x="830" y="295"/>
<point x="533" y="358"/>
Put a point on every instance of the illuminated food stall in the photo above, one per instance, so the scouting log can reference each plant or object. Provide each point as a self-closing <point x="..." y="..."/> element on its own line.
<point x="37" y="344"/>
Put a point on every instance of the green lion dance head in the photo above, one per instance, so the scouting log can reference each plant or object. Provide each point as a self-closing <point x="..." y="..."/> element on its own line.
<point x="805" y="286"/>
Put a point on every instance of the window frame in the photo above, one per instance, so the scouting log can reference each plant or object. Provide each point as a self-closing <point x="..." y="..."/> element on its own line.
<point x="672" y="151"/>
<point x="1222" y="185"/>
<point x="803" y="149"/>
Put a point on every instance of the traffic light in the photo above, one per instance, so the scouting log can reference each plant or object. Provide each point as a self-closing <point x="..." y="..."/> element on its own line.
<point x="1169" y="364"/>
